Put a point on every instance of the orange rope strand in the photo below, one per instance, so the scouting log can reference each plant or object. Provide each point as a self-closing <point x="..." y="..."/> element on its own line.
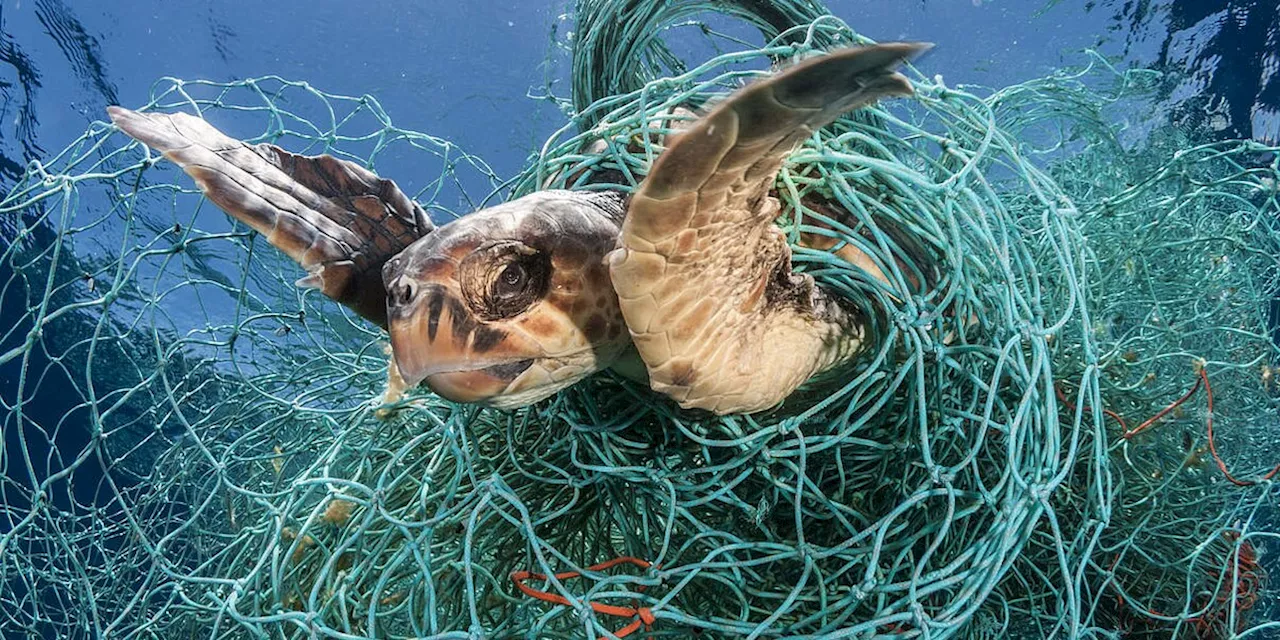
<point x="1202" y="379"/>
<point x="1164" y="412"/>
<point x="643" y="616"/>
<point x="1213" y="449"/>
<point x="1062" y="397"/>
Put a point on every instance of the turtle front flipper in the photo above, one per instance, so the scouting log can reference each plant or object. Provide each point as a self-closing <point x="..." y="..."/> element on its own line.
<point x="704" y="276"/>
<point x="335" y="218"/>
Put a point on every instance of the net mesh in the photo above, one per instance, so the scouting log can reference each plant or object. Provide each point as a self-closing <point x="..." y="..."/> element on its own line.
<point x="196" y="448"/>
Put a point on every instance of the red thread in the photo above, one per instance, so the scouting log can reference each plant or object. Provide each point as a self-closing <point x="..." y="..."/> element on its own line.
<point x="1241" y="586"/>
<point x="1062" y="397"/>
<point x="1213" y="449"/>
<point x="1202" y="379"/>
<point x="1165" y="411"/>
<point x="643" y="615"/>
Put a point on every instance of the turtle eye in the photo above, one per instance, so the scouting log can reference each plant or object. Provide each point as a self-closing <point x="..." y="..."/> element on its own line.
<point x="503" y="279"/>
<point x="511" y="281"/>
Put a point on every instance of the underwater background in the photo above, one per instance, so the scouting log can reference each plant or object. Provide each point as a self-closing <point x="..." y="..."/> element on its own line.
<point x="478" y="73"/>
<point x="465" y="70"/>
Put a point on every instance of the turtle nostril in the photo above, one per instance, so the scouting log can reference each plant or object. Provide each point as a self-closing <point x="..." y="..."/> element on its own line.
<point x="403" y="291"/>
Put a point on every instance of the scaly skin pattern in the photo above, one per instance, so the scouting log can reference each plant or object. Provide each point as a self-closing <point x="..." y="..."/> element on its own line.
<point x="702" y="274"/>
<point x="568" y="328"/>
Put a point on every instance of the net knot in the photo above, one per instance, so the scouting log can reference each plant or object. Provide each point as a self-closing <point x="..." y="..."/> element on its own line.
<point x="918" y="615"/>
<point x="938" y="350"/>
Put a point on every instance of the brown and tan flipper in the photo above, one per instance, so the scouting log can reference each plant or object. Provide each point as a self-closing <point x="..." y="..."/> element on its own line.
<point x="704" y="276"/>
<point x="335" y="218"/>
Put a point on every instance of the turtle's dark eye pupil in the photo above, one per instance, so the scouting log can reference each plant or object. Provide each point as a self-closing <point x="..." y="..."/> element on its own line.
<point x="512" y="279"/>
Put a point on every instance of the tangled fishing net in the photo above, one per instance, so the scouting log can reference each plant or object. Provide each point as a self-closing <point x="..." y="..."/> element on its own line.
<point x="1063" y="435"/>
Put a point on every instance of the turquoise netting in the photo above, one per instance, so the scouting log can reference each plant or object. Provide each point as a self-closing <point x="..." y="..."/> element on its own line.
<point x="194" y="448"/>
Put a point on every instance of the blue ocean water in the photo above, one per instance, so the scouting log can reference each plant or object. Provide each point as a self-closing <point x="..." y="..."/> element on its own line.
<point x="472" y="72"/>
<point x="465" y="70"/>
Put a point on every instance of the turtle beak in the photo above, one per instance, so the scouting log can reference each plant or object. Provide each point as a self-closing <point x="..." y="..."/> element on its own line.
<point x="478" y="385"/>
<point x="435" y="339"/>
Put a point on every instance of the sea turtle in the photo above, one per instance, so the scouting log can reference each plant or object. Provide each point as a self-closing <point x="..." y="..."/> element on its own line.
<point x="509" y="304"/>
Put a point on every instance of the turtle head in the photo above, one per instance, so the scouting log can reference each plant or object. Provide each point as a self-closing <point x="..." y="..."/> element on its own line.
<point x="509" y="304"/>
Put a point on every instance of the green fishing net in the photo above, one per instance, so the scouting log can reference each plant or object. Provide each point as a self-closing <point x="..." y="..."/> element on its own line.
<point x="193" y="447"/>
